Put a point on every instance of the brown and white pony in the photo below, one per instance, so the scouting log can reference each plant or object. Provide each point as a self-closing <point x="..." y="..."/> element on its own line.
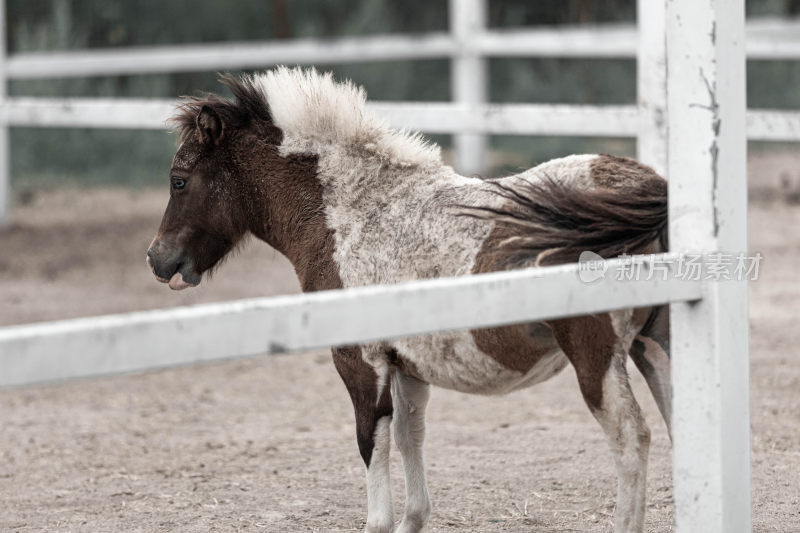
<point x="297" y="161"/>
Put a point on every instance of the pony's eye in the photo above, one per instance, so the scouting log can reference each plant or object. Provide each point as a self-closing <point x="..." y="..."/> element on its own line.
<point x="178" y="183"/>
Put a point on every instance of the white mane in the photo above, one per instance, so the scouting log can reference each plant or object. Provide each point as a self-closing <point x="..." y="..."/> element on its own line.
<point x="314" y="112"/>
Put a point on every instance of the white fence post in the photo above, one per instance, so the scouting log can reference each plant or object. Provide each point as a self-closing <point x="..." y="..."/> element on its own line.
<point x="5" y="163"/>
<point x="651" y="77"/>
<point x="708" y="213"/>
<point x="468" y="79"/>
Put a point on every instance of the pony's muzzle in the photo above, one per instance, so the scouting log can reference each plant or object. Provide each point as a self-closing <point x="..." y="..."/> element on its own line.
<point x="153" y="269"/>
<point x="169" y="267"/>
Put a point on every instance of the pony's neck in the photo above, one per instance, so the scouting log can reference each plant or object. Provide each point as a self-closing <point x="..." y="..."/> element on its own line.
<point x="355" y="180"/>
<point x="286" y="196"/>
<point x="288" y="214"/>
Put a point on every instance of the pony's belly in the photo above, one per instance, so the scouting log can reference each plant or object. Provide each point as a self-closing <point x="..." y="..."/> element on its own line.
<point x="545" y="368"/>
<point x="451" y="360"/>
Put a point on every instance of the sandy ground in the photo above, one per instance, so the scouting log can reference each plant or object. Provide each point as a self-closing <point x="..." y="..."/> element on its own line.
<point x="267" y="444"/>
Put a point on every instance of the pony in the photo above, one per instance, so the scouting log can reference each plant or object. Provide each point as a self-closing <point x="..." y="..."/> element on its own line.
<point x="296" y="160"/>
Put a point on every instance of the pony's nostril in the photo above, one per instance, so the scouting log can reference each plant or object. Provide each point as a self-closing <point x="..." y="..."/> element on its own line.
<point x="162" y="270"/>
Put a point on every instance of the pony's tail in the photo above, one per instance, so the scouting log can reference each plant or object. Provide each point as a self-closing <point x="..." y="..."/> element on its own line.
<point x="554" y="222"/>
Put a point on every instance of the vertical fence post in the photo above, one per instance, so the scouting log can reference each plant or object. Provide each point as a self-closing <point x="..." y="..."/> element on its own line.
<point x="708" y="213"/>
<point x="468" y="80"/>
<point x="651" y="76"/>
<point x="5" y="165"/>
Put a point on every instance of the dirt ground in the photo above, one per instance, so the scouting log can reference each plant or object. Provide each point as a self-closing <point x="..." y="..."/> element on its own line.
<point x="267" y="444"/>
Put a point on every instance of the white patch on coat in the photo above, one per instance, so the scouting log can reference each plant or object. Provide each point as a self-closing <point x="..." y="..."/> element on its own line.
<point x="395" y="211"/>
<point x="625" y="329"/>
<point x="380" y="365"/>
<point x="574" y="170"/>
<point x="410" y="397"/>
<point x="380" y="508"/>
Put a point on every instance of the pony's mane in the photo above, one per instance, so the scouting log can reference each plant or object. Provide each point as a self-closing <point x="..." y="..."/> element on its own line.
<point x="312" y="110"/>
<point x="248" y="105"/>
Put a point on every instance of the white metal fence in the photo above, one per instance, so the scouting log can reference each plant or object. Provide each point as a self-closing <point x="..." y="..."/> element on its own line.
<point x="690" y="124"/>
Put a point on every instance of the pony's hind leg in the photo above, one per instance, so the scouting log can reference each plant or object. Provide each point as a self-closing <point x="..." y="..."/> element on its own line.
<point x="410" y="398"/>
<point x="650" y="353"/>
<point x="372" y="402"/>
<point x="598" y="354"/>
<point x="654" y="364"/>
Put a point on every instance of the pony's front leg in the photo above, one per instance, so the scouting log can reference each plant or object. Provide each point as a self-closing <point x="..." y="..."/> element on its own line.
<point x="410" y="398"/>
<point x="372" y="402"/>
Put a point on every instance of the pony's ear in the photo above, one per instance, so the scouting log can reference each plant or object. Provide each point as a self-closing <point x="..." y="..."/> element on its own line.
<point x="209" y="125"/>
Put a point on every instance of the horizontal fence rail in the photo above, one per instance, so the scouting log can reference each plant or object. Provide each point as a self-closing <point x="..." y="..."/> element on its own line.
<point x="766" y="39"/>
<point x="151" y="339"/>
<point x="226" y="55"/>
<point x="433" y="117"/>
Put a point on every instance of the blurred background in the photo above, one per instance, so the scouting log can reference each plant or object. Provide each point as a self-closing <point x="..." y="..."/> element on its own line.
<point x="58" y="157"/>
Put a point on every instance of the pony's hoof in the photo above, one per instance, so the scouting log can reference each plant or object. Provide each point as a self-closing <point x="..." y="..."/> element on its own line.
<point x="379" y="527"/>
<point x="410" y="526"/>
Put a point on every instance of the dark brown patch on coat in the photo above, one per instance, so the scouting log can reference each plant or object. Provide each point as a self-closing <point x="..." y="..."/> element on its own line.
<point x="362" y="384"/>
<point x="613" y="171"/>
<point x="518" y="347"/>
<point x="589" y="343"/>
<point x="657" y="327"/>
<point x="637" y="355"/>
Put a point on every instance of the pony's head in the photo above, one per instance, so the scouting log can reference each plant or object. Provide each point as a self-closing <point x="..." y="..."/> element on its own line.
<point x="210" y="204"/>
<point x="252" y="164"/>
